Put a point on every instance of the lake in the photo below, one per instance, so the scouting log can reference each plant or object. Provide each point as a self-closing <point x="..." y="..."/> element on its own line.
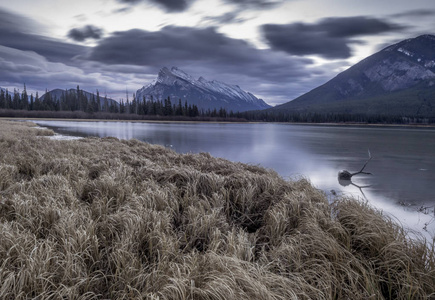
<point x="402" y="164"/>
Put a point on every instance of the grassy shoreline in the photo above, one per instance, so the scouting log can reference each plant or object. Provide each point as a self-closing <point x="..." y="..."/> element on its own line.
<point x="115" y="219"/>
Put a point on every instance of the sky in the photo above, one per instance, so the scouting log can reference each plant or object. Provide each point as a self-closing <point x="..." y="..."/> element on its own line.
<point x="275" y="49"/>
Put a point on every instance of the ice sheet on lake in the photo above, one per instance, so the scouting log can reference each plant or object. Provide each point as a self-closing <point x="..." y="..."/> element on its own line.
<point x="60" y="137"/>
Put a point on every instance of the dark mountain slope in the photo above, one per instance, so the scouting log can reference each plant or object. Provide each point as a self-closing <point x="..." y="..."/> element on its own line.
<point x="400" y="79"/>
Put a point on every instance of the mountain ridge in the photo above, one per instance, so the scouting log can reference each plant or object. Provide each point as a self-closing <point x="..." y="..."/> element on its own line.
<point x="177" y="84"/>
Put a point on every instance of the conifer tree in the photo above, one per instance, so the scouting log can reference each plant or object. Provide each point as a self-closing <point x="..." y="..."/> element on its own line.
<point x="16" y="100"/>
<point x="8" y="100"/>
<point x="98" y="106"/>
<point x="31" y="102"/>
<point x="121" y="107"/>
<point x="179" y="109"/>
<point x="24" y="101"/>
<point x="2" y="99"/>
<point x="135" y="104"/>
<point x="106" y="104"/>
<point x="79" y="99"/>
<point x="37" y="105"/>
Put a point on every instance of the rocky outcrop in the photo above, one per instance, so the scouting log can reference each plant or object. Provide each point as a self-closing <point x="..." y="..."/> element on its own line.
<point x="395" y="75"/>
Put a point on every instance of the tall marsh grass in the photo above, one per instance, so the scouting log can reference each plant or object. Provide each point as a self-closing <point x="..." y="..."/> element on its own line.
<point x="114" y="219"/>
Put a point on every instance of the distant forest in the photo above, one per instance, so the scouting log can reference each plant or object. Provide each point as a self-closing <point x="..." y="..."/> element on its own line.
<point x="76" y="100"/>
<point x="75" y="104"/>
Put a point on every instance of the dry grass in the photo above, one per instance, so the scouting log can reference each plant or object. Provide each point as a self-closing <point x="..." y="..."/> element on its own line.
<point x="111" y="219"/>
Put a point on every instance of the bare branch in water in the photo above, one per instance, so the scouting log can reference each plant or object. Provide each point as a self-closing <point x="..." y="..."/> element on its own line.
<point x="346" y="175"/>
<point x="362" y="169"/>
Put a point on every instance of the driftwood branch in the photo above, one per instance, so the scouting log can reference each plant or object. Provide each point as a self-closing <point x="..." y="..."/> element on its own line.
<point x="346" y="175"/>
<point x="362" y="169"/>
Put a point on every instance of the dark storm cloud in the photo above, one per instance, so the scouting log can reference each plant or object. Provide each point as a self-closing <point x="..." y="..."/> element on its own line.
<point x="205" y="47"/>
<point x="356" y="26"/>
<point x="84" y="33"/>
<point x="168" y="5"/>
<point x="18" y="32"/>
<point x="173" y="5"/>
<point x="301" y="39"/>
<point x="329" y="38"/>
<point x="259" y="4"/>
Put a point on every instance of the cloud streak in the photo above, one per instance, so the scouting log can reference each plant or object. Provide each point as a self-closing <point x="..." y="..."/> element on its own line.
<point x="417" y="13"/>
<point x="168" y="5"/>
<point x="329" y="38"/>
<point x="173" y="6"/>
<point x="256" y="4"/>
<point x="227" y="18"/>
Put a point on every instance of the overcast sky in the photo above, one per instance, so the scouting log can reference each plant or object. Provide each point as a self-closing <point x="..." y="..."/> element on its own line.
<point x="275" y="49"/>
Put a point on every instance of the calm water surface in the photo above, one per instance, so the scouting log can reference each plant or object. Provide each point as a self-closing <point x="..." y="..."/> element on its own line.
<point x="403" y="159"/>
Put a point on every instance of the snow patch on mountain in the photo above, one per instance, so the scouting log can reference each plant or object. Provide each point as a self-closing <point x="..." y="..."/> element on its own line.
<point x="429" y="64"/>
<point x="405" y="52"/>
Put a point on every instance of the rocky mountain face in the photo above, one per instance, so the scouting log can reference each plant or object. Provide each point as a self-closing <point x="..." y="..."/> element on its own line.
<point x="176" y="84"/>
<point x="399" y="79"/>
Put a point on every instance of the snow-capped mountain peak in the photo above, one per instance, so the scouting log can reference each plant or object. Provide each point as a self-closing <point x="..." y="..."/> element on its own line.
<point x="177" y="84"/>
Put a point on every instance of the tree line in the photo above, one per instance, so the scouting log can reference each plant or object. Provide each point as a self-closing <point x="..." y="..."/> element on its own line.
<point x="87" y="105"/>
<point x="79" y="100"/>
<point x="306" y="117"/>
<point x="315" y="118"/>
